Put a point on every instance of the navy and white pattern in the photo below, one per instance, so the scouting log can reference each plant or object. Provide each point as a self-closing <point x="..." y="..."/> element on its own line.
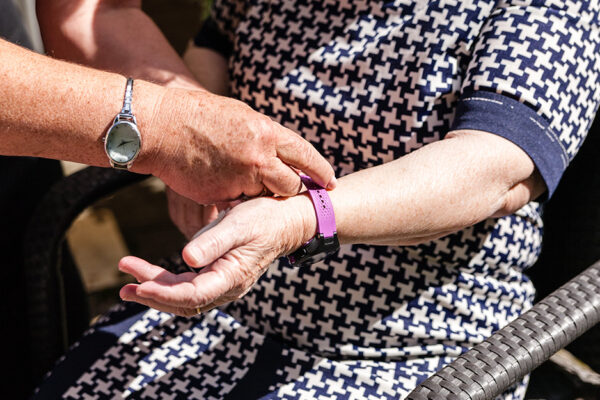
<point x="366" y="82"/>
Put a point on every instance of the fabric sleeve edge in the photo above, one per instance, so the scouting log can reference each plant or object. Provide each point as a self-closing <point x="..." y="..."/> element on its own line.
<point x="518" y="123"/>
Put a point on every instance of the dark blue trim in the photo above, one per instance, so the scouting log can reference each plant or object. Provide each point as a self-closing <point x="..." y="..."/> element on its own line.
<point x="517" y="122"/>
<point x="210" y="36"/>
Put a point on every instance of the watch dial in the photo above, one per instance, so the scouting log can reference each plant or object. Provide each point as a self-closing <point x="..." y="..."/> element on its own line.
<point x="122" y="142"/>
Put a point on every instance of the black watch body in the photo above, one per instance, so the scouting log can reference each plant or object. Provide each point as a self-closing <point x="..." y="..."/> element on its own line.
<point x="315" y="250"/>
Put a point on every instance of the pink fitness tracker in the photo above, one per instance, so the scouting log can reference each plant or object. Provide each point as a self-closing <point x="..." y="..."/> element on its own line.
<point x="325" y="241"/>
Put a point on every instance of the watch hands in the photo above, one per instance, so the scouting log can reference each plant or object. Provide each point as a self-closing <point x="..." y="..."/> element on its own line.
<point x="124" y="142"/>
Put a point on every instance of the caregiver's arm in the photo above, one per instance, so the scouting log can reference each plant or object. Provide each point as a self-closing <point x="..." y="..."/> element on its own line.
<point x="53" y="109"/>
<point x="118" y="36"/>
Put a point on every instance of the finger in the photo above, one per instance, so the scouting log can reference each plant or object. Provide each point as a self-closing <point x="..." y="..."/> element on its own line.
<point x="192" y="217"/>
<point x="143" y="271"/>
<point x="253" y="190"/>
<point x="206" y="308"/>
<point x="298" y="153"/>
<point x="211" y="244"/>
<point x="128" y="293"/>
<point x="175" y="212"/>
<point x="282" y="180"/>
<point x="218" y="303"/>
<point x="192" y="290"/>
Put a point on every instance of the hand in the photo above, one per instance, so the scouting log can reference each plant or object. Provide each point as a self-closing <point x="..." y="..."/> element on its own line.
<point x="232" y="256"/>
<point x="211" y="149"/>
<point x="189" y="216"/>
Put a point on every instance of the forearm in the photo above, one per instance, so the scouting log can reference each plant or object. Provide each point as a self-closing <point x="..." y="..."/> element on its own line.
<point x="54" y="109"/>
<point x="111" y="35"/>
<point x="436" y="190"/>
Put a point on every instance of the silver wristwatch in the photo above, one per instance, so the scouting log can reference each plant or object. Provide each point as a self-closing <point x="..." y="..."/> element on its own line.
<point x="123" y="141"/>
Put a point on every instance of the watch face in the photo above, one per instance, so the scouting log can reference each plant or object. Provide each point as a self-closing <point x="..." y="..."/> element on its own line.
<point x="123" y="142"/>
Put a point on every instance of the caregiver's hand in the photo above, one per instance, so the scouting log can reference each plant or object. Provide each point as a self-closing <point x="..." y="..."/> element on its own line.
<point x="211" y="148"/>
<point x="234" y="253"/>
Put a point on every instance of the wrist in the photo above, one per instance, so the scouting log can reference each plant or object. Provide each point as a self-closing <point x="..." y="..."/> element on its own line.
<point x="153" y="121"/>
<point x="161" y="118"/>
<point x="325" y="241"/>
<point x="305" y="221"/>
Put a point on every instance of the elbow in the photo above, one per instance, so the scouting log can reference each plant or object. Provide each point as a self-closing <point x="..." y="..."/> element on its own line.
<point x="520" y="194"/>
<point x="509" y="174"/>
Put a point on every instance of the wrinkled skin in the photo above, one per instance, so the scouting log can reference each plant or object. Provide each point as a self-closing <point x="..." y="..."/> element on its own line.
<point x="212" y="148"/>
<point x="230" y="257"/>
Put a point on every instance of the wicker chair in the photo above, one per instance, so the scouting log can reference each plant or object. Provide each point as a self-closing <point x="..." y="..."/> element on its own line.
<point x="481" y="373"/>
<point x="571" y="243"/>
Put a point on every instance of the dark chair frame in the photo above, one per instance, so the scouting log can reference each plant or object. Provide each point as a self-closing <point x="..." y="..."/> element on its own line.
<point x="503" y="359"/>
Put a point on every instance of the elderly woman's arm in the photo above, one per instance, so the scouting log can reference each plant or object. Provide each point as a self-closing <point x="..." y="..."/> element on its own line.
<point x="532" y="81"/>
<point x="440" y="188"/>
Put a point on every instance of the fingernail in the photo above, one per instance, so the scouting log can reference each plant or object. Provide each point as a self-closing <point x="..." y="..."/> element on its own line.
<point x="123" y="295"/>
<point x="193" y="256"/>
<point x="332" y="183"/>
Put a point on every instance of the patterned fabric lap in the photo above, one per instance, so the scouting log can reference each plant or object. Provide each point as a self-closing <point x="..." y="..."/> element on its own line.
<point x="214" y="357"/>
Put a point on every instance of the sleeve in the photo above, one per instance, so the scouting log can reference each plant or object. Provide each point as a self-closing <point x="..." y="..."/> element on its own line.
<point x="218" y="31"/>
<point x="534" y="79"/>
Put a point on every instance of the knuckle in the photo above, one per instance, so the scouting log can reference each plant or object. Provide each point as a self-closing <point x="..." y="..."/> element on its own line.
<point x="228" y="276"/>
<point x="257" y="127"/>
<point x="193" y="300"/>
<point x="289" y="189"/>
<point x="217" y="242"/>
<point x="288" y="184"/>
<point x="251" y="130"/>
<point x="260" y="163"/>
<point x="306" y="150"/>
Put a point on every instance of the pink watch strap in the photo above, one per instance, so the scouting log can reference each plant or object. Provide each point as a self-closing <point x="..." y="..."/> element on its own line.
<point x="323" y="207"/>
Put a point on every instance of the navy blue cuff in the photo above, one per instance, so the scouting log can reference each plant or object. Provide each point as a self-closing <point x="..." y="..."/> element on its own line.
<point x="210" y="36"/>
<point x="506" y="117"/>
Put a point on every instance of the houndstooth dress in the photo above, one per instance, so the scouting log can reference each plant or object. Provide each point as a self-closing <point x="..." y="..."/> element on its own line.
<point x="367" y="82"/>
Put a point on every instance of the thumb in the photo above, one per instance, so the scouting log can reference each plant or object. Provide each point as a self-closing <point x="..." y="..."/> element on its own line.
<point x="210" y="243"/>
